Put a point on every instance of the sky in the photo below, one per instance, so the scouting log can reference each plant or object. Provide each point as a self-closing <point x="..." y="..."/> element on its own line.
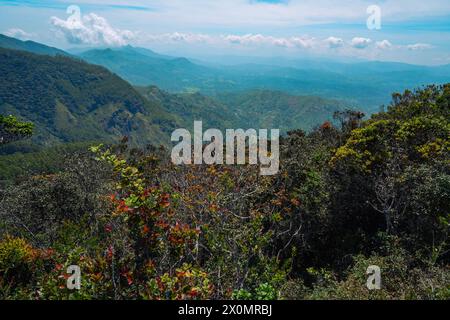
<point x="411" y="31"/>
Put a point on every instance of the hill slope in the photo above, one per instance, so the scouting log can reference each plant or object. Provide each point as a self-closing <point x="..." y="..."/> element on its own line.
<point x="276" y="109"/>
<point x="71" y="100"/>
<point x="190" y="107"/>
<point x="29" y="46"/>
<point x="247" y="109"/>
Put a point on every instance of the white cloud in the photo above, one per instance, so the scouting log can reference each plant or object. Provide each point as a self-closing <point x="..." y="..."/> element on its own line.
<point x="258" y="39"/>
<point x="248" y="39"/>
<point x="419" y="46"/>
<point x="19" y="34"/>
<point x="360" y="43"/>
<point x="281" y="42"/>
<point x="264" y="41"/>
<point x="334" y="42"/>
<point x="91" y="29"/>
<point x="303" y="42"/>
<point x="180" y="37"/>
<point x="385" y="44"/>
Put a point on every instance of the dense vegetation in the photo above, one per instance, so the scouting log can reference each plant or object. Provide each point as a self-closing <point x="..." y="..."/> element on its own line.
<point x="248" y="109"/>
<point x="350" y="194"/>
<point x="24" y="161"/>
<point x="190" y="107"/>
<point x="276" y="109"/>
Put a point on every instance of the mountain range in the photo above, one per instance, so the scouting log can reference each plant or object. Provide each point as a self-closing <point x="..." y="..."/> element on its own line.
<point x="365" y="85"/>
<point x="145" y="95"/>
<point x="70" y="100"/>
<point x="30" y="46"/>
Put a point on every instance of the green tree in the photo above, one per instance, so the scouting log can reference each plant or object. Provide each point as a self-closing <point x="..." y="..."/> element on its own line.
<point x="12" y="130"/>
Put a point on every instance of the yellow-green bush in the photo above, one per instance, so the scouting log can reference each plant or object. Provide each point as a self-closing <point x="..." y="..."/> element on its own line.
<point x="14" y="253"/>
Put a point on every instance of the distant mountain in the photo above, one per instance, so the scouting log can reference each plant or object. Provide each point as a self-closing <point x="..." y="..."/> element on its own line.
<point x="366" y="84"/>
<point x="70" y="100"/>
<point x="29" y="46"/>
<point x="146" y="52"/>
<point x="143" y="67"/>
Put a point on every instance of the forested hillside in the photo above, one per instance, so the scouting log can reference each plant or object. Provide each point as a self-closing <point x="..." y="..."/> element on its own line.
<point x="69" y="100"/>
<point x="276" y="109"/>
<point x="190" y="107"/>
<point x="247" y="109"/>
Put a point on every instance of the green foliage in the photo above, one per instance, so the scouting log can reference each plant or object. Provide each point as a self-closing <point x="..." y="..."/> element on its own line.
<point x="167" y="222"/>
<point x="264" y="292"/>
<point x="50" y="160"/>
<point x="367" y="193"/>
<point x="276" y="109"/>
<point x="11" y="129"/>
<point x="14" y="253"/>
<point x="35" y="207"/>
<point x="188" y="283"/>
<point x="249" y="109"/>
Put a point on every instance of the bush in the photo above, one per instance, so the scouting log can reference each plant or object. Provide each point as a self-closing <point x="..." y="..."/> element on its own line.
<point x="15" y="254"/>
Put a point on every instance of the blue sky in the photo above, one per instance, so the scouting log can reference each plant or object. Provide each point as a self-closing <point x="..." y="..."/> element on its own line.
<point x="411" y="31"/>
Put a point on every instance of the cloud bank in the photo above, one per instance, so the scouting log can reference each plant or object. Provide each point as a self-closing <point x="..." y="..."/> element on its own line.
<point x="258" y="40"/>
<point x="383" y="45"/>
<point x="91" y="29"/>
<point x="360" y="43"/>
<point x="334" y="42"/>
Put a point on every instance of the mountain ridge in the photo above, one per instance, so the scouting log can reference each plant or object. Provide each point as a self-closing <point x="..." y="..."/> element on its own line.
<point x="29" y="46"/>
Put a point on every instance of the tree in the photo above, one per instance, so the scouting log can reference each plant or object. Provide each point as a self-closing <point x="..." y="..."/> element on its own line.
<point x="12" y="130"/>
<point x="348" y="120"/>
<point x="390" y="162"/>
